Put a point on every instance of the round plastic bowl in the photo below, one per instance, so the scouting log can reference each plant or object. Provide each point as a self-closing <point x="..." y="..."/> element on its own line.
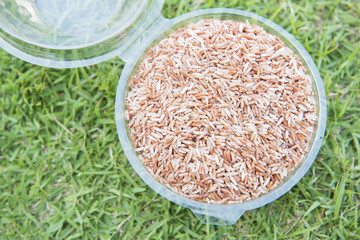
<point x="211" y="213"/>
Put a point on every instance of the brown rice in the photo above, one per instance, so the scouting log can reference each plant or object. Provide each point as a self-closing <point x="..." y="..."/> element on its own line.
<point x="221" y="111"/>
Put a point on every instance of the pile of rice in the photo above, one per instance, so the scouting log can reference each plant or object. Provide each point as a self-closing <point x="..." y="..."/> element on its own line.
<point x="221" y="111"/>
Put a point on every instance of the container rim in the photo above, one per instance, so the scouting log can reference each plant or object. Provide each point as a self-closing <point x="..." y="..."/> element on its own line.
<point x="253" y="203"/>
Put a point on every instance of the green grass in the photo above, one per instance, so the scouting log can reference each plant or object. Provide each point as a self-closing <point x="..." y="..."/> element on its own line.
<point x="64" y="175"/>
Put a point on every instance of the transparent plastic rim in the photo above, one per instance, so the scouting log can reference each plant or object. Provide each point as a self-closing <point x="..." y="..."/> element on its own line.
<point x="286" y="185"/>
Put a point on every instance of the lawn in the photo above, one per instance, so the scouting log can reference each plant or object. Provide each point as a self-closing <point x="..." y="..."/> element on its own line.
<point x="64" y="174"/>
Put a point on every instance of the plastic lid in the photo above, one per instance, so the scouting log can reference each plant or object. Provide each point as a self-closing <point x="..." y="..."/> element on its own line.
<point x="71" y="33"/>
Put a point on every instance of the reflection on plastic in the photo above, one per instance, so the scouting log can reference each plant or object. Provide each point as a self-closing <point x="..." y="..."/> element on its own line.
<point x="67" y="23"/>
<point x="79" y="16"/>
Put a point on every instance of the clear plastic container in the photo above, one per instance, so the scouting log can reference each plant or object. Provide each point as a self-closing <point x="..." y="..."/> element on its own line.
<point x="145" y="28"/>
<point x="72" y="33"/>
